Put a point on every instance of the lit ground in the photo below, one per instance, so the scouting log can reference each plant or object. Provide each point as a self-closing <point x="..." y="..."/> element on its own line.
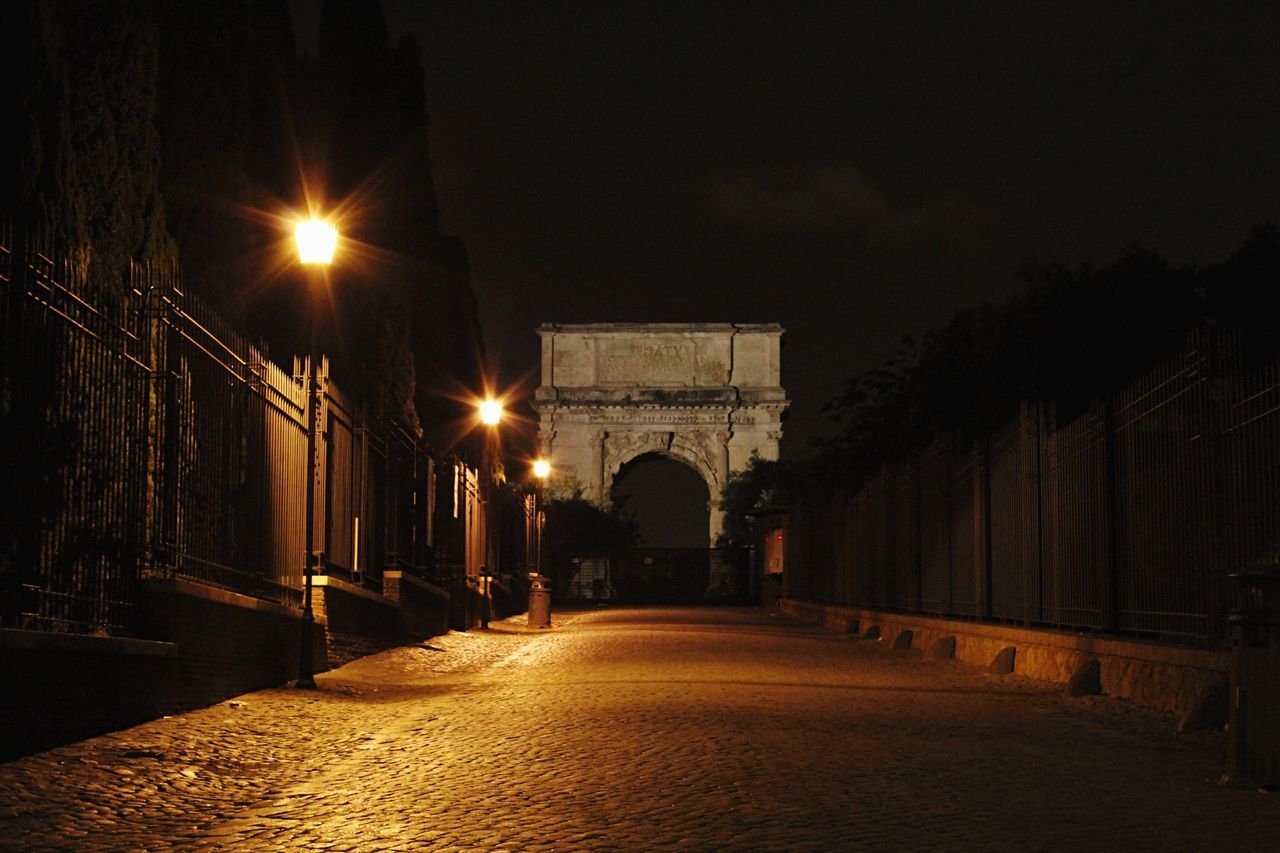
<point x="644" y="729"/>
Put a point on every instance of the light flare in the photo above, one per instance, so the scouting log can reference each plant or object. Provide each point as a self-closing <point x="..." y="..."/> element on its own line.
<point x="316" y="240"/>
<point x="490" y="412"/>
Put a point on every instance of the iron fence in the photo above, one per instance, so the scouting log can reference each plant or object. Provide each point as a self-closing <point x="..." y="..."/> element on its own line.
<point x="144" y="437"/>
<point x="1125" y="520"/>
<point x="77" y="395"/>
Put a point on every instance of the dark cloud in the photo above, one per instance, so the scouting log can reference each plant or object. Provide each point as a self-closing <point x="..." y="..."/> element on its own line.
<point x="839" y="198"/>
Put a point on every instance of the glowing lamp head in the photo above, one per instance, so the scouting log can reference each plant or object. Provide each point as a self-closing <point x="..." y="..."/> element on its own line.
<point x="490" y="412"/>
<point x="541" y="468"/>
<point x="316" y="241"/>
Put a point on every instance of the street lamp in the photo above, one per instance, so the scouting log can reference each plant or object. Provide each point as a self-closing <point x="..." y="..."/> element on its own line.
<point x="316" y="241"/>
<point x="539" y="613"/>
<point x="541" y="470"/>
<point x="490" y="415"/>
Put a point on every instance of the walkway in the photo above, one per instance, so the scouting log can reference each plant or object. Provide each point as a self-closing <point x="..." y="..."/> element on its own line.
<point x="644" y="729"/>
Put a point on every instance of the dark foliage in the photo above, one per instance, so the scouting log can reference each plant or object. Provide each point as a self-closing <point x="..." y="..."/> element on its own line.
<point x="81" y="154"/>
<point x="137" y="120"/>
<point x="1068" y="335"/>
<point x="575" y="527"/>
<point x="228" y="84"/>
<point x="761" y="485"/>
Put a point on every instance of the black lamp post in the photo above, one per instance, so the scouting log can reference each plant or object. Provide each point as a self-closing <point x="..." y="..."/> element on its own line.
<point x="490" y="416"/>
<point x="316" y="242"/>
<point x="541" y="470"/>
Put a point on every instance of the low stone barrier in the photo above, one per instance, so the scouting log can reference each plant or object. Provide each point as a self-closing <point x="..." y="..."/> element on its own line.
<point x="1153" y="675"/>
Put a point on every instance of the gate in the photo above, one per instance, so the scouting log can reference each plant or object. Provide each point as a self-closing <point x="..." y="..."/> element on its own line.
<point x="679" y="576"/>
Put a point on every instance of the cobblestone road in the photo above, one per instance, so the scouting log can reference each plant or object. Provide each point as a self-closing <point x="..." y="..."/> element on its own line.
<point x="643" y="729"/>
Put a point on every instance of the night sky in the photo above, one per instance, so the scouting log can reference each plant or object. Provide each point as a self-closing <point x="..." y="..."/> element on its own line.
<point x="854" y="171"/>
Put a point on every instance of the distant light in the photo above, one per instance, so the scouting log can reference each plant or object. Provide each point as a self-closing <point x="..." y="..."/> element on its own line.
<point x="316" y="241"/>
<point x="490" y="412"/>
<point x="541" y="468"/>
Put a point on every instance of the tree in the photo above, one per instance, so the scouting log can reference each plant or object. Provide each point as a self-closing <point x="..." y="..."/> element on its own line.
<point x="1069" y="335"/>
<point x="763" y="484"/>
<point x="576" y="528"/>
<point x="82" y="155"/>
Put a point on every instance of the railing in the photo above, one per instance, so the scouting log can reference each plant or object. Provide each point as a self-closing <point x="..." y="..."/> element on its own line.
<point x="144" y="437"/>
<point x="76" y="399"/>
<point x="1125" y="520"/>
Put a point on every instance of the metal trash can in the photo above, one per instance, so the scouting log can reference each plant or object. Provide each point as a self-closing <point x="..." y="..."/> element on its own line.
<point x="539" y="601"/>
<point x="1253" y="748"/>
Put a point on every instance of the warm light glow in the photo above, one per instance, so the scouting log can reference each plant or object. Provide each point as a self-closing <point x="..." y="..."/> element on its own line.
<point x="316" y="241"/>
<point x="541" y="468"/>
<point x="490" y="412"/>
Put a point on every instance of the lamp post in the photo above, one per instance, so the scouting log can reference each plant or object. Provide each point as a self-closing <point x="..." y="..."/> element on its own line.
<point x="539" y="615"/>
<point x="316" y="242"/>
<point x="490" y="416"/>
<point x="541" y="470"/>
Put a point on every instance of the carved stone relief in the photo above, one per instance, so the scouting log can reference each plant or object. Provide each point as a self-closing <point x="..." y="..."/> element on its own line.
<point x="621" y="447"/>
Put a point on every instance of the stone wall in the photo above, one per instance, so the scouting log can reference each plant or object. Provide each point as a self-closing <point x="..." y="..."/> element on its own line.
<point x="63" y="687"/>
<point x="227" y="643"/>
<point x="357" y="622"/>
<point x="207" y="644"/>
<point x="425" y="606"/>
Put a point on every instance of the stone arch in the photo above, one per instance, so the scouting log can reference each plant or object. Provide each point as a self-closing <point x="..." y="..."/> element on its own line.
<point x="682" y="460"/>
<point x="679" y="454"/>
<point x="624" y="446"/>
<point x="705" y="394"/>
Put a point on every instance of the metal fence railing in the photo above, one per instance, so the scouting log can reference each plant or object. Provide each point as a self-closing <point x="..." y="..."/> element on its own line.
<point x="1125" y="520"/>
<point x="142" y="436"/>
<point x="76" y="398"/>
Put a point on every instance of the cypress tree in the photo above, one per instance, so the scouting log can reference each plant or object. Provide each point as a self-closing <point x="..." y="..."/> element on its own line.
<point x="84" y="154"/>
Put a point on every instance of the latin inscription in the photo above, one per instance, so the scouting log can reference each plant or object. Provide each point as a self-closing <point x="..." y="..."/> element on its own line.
<point x="646" y="362"/>
<point x="674" y="420"/>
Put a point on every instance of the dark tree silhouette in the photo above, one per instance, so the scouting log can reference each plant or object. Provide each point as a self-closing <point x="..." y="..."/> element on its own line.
<point x="1068" y="335"/>
<point x="81" y="153"/>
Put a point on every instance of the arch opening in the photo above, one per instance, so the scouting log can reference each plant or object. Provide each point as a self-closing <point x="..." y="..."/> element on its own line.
<point x="667" y="498"/>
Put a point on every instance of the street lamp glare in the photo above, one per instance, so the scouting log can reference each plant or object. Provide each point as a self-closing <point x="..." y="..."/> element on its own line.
<point x="316" y="241"/>
<point x="541" y="468"/>
<point x="490" y="412"/>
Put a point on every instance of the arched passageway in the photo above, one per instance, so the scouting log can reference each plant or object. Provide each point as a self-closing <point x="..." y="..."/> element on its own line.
<point x="667" y="499"/>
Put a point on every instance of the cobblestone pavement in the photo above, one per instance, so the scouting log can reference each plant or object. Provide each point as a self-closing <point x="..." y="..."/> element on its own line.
<point x="643" y="729"/>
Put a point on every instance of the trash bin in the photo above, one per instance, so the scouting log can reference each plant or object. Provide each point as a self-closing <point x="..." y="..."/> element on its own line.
<point x="539" y="601"/>
<point x="1253" y="748"/>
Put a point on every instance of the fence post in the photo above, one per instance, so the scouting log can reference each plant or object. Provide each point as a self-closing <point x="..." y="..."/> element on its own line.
<point x="1108" y="585"/>
<point x="1221" y="361"/>
<point x="13" y="344"/>
<point x="321" y="470"/>
<point x="169" y="365"/>
<point x="917" y="532"/>
<point x="1029" y="429"/>
<point x="982" y="525"/>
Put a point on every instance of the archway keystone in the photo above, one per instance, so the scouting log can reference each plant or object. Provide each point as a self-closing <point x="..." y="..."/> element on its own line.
<point x="707" y="394"/>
